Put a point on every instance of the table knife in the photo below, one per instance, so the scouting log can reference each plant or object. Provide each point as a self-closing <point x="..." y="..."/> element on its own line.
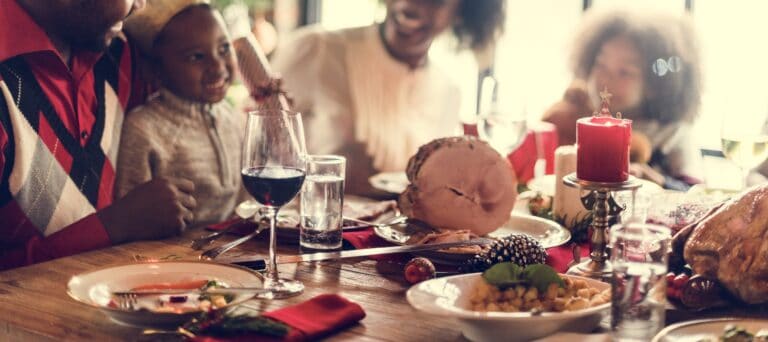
<point x="260" y="263"/>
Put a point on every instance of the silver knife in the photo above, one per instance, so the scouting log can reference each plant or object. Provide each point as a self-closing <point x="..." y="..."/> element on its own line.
<point x="258" y="263"/>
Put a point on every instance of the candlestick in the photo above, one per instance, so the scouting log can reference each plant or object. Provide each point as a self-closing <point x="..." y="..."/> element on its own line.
<point x="603" y="207"/>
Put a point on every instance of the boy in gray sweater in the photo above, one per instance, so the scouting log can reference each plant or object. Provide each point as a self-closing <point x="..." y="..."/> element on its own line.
<point x="185" y="129"/>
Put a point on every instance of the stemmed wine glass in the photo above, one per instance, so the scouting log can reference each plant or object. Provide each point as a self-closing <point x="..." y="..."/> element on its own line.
<point x="273" y="172"/>
<point x="504" y="131"/>
<point x="744" y="139"/>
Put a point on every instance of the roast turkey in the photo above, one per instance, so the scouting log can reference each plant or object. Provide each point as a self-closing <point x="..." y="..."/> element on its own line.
<point x="459" y="183"/>
<point x="730" y="244"/>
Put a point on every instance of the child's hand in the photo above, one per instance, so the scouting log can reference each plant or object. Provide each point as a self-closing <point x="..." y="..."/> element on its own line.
<point x="644" y="171"/>
<point x="157" y="209"/>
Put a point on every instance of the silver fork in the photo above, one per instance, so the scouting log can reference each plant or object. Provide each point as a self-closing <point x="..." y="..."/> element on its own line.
<point x="213" y="253"/>
<point x="133" y="294"/>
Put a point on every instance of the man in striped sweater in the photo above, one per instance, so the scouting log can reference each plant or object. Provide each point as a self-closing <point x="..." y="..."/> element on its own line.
<point x="66" y="78"/>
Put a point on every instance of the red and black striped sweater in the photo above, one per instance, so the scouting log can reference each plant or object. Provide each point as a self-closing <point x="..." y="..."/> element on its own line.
<point x="59" y="134"/>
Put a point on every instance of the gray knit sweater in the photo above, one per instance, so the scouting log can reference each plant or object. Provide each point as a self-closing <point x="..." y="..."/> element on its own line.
<point x="172" y="137"/>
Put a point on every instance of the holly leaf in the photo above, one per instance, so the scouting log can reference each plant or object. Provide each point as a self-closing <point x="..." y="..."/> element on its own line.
<point x="541" y="276"/>
<point x="503" y="274"/>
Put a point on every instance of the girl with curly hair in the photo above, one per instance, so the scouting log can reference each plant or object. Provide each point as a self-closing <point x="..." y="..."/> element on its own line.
<point x="649" y="61"/>
<point x="371" y="94"/>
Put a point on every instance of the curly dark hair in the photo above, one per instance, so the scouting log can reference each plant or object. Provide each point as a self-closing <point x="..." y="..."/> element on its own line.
<point x="670" y="98"/>
<point x="479" y="22"/>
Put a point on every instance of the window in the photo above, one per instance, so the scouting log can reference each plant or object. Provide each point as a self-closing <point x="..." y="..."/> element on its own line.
<point x="531" y="57"/>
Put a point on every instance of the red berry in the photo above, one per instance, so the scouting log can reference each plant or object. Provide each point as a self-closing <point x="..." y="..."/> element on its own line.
<point x="419" y="269"/>
<point x="671" y="292"/>
<point x="670" y="278"/>
<point x="680" y="280"/>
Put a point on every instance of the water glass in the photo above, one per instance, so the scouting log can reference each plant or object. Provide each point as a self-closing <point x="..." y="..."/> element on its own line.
<point x="636" y="205"/>
<point x="639" y="258"/>
<point x="322" y="200"/>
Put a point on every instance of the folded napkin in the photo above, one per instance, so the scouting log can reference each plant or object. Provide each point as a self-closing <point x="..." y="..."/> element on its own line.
<point x="239" y="226"/>
<point x="559" y="257"/>
<point x="310" y="320"/>
<point x="366" y="238"/>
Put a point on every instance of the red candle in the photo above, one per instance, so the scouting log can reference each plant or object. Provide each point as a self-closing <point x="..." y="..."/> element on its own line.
<point x="602" y="152"/>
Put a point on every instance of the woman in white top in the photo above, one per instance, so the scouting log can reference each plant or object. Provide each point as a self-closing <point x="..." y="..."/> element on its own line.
<point x="371" y="94"/>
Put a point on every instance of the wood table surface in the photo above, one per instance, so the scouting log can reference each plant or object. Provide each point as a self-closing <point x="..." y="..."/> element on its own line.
<point x="34" y="304"/>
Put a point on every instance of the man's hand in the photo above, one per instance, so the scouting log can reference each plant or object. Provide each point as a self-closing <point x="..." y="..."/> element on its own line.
<point x="157" y="209"/>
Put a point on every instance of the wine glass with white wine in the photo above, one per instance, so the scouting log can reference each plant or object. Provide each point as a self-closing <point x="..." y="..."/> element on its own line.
<point x="744" y="140"/>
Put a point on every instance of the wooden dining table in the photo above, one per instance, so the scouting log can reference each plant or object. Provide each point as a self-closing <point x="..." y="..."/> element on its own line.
<point x="34" y="305"/>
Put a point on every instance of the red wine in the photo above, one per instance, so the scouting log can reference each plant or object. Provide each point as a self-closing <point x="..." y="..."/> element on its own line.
<point x="273" y="185"/>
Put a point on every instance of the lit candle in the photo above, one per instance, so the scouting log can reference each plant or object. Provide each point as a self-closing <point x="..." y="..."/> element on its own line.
<point x="602" y="141"/>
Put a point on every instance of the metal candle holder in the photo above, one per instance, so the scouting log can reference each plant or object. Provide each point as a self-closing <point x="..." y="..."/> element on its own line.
<point x="603" y="207"/>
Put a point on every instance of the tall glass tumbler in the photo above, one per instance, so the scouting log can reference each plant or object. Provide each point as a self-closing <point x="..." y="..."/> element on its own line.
<point x="322" y="201"/>
<point x="639" y="257"/>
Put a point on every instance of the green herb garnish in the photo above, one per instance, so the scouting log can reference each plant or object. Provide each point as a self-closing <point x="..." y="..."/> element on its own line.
<point x="506" y="274"/>
<point x="541" y="276"/>
<point x="503" y="274"/>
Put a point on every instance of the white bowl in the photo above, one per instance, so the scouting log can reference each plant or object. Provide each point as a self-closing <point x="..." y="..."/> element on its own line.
<point x="94" y="288"/>
<point x="450" y="296"/>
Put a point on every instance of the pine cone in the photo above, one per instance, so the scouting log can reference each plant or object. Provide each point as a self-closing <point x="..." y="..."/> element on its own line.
<point x="521" y="249"/>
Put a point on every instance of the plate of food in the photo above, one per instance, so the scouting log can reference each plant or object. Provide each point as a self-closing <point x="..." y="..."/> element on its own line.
<point x="391" y="182"/>
<point x="548" y="233"/>
<point x="96" y="289"/>
<point x="716" y="330"/>
<point x="489" y="309"/>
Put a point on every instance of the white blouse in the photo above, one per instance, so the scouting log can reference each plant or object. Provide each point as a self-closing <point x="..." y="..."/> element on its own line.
<point x="352" y="91"/>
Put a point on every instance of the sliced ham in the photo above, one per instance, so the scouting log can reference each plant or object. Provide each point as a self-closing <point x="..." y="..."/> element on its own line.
<point x="459" y="183"/>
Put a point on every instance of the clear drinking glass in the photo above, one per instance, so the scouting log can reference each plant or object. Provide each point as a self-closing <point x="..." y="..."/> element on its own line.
<point x="273" y="172"/>
<point x="322" y="201"/>
<point x="636" y="205"/>
<point x="639" y="258"/>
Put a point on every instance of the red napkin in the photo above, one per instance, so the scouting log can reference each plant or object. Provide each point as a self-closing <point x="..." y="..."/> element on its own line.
<point x="366" y="238"/>
<point x="559" y="257"/>
<point x="242" y="227"/>
<point x="310" y="320"/>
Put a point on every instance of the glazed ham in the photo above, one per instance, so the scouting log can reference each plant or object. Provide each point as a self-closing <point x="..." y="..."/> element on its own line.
<point x="459" y="183"/>
<point x="730" y="244"/>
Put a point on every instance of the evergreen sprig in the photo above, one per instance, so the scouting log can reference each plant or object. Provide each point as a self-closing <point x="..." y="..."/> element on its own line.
<point x="217" y="324"/>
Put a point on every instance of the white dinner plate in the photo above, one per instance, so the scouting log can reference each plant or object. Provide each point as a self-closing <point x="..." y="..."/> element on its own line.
<point x="450" y="297"/>
<point x="392" y="182"/>
<point x="94" y="288"/>
<point x="707" y="330"/>
<point x="547" y="232"/>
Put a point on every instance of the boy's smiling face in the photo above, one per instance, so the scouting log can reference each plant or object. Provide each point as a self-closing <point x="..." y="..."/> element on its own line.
<point x="195" y="57"/>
